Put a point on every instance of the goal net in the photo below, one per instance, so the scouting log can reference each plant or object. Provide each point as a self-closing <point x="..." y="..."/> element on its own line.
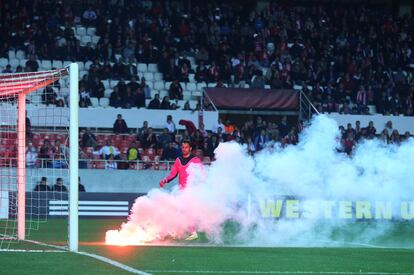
<point x="38" y="168"/>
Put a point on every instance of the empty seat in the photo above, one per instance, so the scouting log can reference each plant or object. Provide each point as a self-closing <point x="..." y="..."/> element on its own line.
<point x="158" y="76"/>
<point x="191" y="87"/>
<point x="22" y="62"/>
<point x="106" y="84"/>
<point x="142" y="67"/>
<point x="85" y="40"/>
<point x="12" y="54"/>
<point x="201" y="86"/>
<point x="3" y="62"/>
<point x="58" y="64"/>
<point x="14" y="62"/>
<point x="20" y="54"/>
<point x="91" y="31"/>
<point x="66" y="63"/>
<point x="149" y="76"/>
<point x="159" y="85"/>
<point x="87" y="65"/>
<point x="95" y="39"/>
<point x="107" y="92"/>
<point x="104" y="102"/>
<point x="153" y="68"/>
<point x="81" y="31"/>
<point x="95" y="102"/>
<point x="81" y="65"/>
<point x="46" y="64"/>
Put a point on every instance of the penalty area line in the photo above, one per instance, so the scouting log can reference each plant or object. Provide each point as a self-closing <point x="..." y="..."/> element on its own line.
<point x="114" y="263"/>
<point x="97" y="257"/>
<point x="278" y="272"/>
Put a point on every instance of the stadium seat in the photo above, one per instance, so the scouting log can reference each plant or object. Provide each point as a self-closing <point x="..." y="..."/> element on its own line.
<point x="87" y="65"/>
<point x="106" y="84"/>
<point x="167" y="85"/>
<point x="113" y="83"/>
<point x="81" y="65"/>
<point x="158" y="76"/>
<point x="201" y="86"/>
<point x="58" y="64"/>
<point x="153" y="68"/>
<point x="20" y="54"/>
<point x="46" y="64"/>
<point x="14" y="62"/>
<point x="66" y="63"/>
<point x="107" y="93"/>
<point x="104" y="102"/>
<point x="142" y="67"/>
<point x="163" y="93"/>
<point x="187" y="95"/>
<point x="267" y="86"/>
<point x="191" y="77"/>
<point x="81" y="31"/>
<point x="82" y="73"/>
<point x="94" y="102"/>
<point x="191" y="86"/>
<point x="149" y="76"/>
<point x="95" y="39"/>
<point x="3" y="62"/>
<point x="159" y="85"/>
<point x="22" y="62"/>
<point x="12" y="54"/>
<point x="91" y="31"/>
<point x="85" y="40"/>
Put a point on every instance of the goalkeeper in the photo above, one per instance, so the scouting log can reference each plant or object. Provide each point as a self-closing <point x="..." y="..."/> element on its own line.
<point x="180" y="168"/>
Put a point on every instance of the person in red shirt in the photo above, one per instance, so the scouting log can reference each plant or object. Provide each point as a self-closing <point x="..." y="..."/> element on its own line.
<point x="180" y="168"/>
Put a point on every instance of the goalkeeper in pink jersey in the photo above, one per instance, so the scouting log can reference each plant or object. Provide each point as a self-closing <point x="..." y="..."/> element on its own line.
<point x="180" y="168"/>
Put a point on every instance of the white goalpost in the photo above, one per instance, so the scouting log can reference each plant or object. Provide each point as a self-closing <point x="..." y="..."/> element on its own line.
<point x="39" y="143"/>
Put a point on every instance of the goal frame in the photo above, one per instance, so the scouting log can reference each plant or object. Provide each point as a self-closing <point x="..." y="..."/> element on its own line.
<point x="73" y="220"/>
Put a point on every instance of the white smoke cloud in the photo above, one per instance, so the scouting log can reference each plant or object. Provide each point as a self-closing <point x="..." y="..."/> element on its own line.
<point x="313" y="171"/>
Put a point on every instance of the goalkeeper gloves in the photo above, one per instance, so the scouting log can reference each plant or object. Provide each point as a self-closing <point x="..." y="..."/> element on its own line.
<point x="163" y="182"/>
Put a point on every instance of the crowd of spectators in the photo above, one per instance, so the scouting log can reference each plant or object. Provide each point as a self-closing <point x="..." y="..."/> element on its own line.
<point x="350" y="56"/>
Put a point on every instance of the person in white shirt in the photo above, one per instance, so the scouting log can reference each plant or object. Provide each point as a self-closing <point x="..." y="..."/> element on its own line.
<point x="109" y="150"/>
<point x="170" y="125"/>
<point x="219" y="125"/>
<point x="31" y="155"/>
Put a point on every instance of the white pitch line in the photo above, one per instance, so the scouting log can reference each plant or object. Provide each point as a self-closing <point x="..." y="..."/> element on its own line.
<point x="114" y="263"/>
<point x="100" y="258"/>
<point x="32" y="250"/>
<point x="279" y="272"/>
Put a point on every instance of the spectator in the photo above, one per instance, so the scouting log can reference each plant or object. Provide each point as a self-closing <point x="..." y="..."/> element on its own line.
<point x="149" y="139"/>
<point x="110" y="163"/>
<point x="61" y="155"/>
<point x="45" y="154"/>
<point x="84" y="96"/>
<point x="109" y="150"/>
<point x="165" y="138"/>
<point x="81" y="186"/>
<point x="170" y="152"/>
<point x="49" y="96"/>
<point x="155" y="103"/>
<point x="42" y="185"/>
<point x="31" y="155"/>
<point x="133" y="152"/>
<point x="31" y="64"/>
<point x="120" y="126"/>
<point x="89" y="139"/>
<point x="97" y="88"/>
<point x="58" y="186"/>
<point x="175" y="91"/>
<point x="170" y="125"/>
<point x="115" y="99"/>
<point x="145" y="88"/>
<point x="89" y="16"/>
<point x="165" y="104"/>
<point x="261" y="140"/>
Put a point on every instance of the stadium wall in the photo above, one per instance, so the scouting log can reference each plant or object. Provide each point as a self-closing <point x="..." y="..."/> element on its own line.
<point x="401" y="123"/>
<point x="105" y="117"/>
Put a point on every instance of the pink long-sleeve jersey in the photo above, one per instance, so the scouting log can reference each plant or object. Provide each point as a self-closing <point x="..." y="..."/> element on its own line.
<point x="180" y="167"/>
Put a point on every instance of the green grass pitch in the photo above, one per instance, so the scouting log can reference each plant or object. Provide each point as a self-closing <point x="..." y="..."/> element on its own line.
<point x="200" y="258"/>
